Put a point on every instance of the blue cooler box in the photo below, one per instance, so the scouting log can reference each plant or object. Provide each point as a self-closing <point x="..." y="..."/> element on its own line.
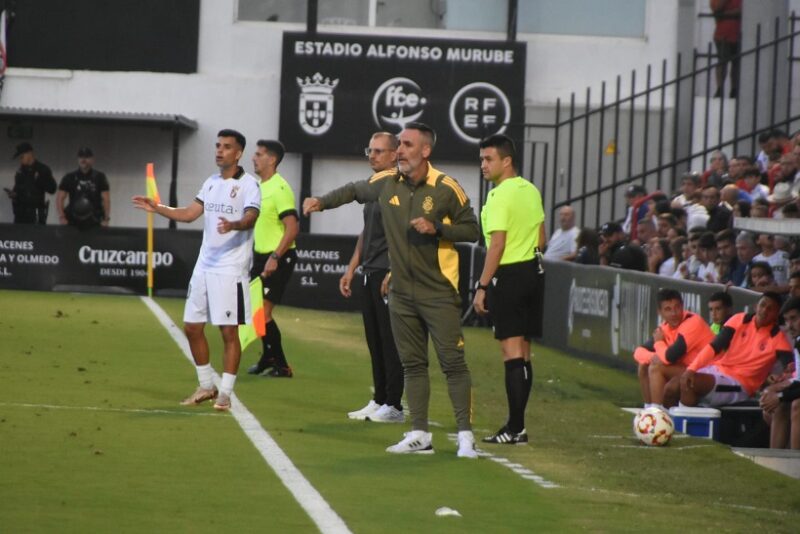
<point x="699" y="422"/>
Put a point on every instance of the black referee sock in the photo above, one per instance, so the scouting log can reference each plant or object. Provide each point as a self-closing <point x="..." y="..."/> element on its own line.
<point x="517" y="391"/>
<point x="529" y="380"/>
<point x="273" y="340"/>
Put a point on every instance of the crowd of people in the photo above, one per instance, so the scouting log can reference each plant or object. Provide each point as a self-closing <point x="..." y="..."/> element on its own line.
<point x="82" y="196"/>
<point x="690" y="235"/>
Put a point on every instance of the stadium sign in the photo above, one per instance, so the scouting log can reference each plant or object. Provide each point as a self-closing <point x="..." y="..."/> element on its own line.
<point x="337" y="90"/>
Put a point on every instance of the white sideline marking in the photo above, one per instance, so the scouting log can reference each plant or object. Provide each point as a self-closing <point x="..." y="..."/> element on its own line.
<point x="321" y="513"/>
<point x="102" y="409"/>
<point x="518" y="469"/>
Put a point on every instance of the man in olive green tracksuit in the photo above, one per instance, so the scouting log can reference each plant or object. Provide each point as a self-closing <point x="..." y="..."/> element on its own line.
<point x="424" y="212"/>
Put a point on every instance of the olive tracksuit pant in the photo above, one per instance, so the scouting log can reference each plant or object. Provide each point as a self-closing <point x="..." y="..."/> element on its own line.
<point x="412" y="320"/>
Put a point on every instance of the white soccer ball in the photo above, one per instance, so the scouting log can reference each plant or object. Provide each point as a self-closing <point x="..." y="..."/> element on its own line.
<point x="653" y="427"/>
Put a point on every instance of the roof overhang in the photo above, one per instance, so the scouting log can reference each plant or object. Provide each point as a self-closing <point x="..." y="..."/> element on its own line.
<point x="162" y="120"/>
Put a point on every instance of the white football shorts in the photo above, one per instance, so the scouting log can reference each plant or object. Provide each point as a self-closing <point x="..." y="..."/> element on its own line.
<point x="727" y="390"/>
<point x="219" y="299"/>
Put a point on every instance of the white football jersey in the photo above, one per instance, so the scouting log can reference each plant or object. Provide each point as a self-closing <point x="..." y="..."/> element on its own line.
<point x="230" y="253"/>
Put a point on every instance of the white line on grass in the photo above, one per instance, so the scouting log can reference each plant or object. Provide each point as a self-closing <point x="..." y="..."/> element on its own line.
<point x="104" y="409"/>
<point x="326" y="519"/>
<point x="518" y="469"/>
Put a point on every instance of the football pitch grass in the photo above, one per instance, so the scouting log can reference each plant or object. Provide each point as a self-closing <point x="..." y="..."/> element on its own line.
<point x="92" y="439"/>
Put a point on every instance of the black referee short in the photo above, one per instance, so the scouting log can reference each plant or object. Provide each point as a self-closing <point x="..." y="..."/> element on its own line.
<point x="516" y="301"/>
<point x="275" y="284"/>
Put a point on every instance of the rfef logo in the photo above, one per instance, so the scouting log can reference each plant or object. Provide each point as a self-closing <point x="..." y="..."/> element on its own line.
<point x="479" y="110"/>
<point x="397" y="102"/>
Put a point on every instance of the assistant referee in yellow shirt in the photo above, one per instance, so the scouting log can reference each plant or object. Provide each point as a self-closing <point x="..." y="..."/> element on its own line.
<point x="511" y="286"/>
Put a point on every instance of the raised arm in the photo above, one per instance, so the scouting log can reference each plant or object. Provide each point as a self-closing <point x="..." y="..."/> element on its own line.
<point x="186" y="214"/>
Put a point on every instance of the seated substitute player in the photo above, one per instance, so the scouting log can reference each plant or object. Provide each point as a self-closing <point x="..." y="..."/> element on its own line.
<point x="779" y="401"/>
<point x="218" y="287"/>
<point x="274" y="255"/>
<point x="734" y="365"/>
<point x="675" y="343"/>
<point x="720" y="309"/>
<point x="511" y="286"/>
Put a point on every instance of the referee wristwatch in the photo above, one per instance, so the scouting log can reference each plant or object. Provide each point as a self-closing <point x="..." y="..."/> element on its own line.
<point x="478" y="286"/>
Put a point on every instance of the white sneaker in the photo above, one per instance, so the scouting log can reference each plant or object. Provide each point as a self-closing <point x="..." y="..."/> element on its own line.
<point x="362" y="414"/>
<point x="416" y="441"/>
<point x="387" y="414"/>
<point x="466" y="445"/>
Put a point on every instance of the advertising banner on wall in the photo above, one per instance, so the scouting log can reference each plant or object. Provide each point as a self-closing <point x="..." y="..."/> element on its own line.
<point x="336" y="90"/>
<point x="62" y="258"/>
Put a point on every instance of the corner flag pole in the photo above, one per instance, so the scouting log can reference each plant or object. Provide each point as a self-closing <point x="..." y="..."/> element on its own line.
<point x="152" y="192"/>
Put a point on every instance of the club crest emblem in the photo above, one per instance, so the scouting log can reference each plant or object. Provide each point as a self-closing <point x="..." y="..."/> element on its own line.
<point x="316" y="103"/>
<point x="427" y="205"/>
<point x="234" y="191"/>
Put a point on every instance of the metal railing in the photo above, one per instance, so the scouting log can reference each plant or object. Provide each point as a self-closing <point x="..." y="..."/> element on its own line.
<point x="590" y="152"/>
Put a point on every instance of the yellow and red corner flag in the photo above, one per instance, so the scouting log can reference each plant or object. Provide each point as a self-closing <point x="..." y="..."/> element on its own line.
<point x="152" y="192"/>
<point x="257" y="327"/>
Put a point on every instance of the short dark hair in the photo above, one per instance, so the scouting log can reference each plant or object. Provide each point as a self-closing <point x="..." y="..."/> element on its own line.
<point x="795" y="274"/>
<point x="748" y="159"/>
<point x="751" y="170"/>
<point x="772" y="296"/>
<point x="691" y="176"/>
<point x="790" y="305"/>
<point x="227" y="132"/>
<point x="707" y="240"/>
<point x="726" y="235"/>
<point x="503" y="144"/>
<point x="723" y="297"/>
<point x="777" y="133"/>
<point x="667" y="293"/>
<point x="762" y="265"/>
<point x="273" y="147"/>
<point x="426" y="130"/>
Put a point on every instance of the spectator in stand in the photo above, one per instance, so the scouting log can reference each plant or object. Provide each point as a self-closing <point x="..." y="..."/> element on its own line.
<point x="727" y="38"/>
<point x="778" y="260"/>
<point x="563" y="245"/>
<point x="759" y="208"/>
<point x="760" y="277"/>
<point x="696" y="213"/>
<point x="731" y="195"/>
<point x="676" y="232"/>
<point x="790" y="211"/>
<point x="736" y="168"/>
<point x="779" y="145"/>
<point x="616" y="251"/>
<point x="707" y="255"/>
<point x="720" y="309"/>
<point x="634" y="196"/>
<point x="688" y="268"/>
<point x="588" y="247"/>
<point x="794" y="284"/>
<point x="751" y="184"/>
<point x="743" y="354"/>
<point x="664" y="223"/>
<point x="676" y="248"/>
<point x="659" y="257"/>
<point x="719" y="215"/>
<point x="690" y="184"/>
<point x="730" y="268"/>
<point x="645" y="231"/>
<point x="742" y="209"/>
<point x="674" y="345"/>
<point x="717" y="172"/>
<point x="762" y="159"/>
<point x="789" y="171"/>
<point x="779" y="401"/>
<point x="781" y="196"/>
<point x="746" y="250"/>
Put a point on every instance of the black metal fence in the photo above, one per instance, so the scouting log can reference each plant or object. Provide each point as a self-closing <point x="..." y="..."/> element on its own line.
<point x="592" y="151"/>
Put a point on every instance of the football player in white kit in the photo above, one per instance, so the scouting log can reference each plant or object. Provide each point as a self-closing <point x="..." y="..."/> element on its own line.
<point x="218" y="290"/>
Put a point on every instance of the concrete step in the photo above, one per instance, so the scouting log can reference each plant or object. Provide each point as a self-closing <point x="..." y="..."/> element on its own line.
<point x="782" y="460"/>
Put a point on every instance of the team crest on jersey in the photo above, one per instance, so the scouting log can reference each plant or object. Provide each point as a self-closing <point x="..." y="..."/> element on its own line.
<point x="427" y="205"/>
<point x="316" y="103"/>
<point x="762" y="346"/>
<point x="234" y="191"/>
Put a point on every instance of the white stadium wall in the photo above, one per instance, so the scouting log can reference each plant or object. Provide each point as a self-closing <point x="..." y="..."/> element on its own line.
<point x="238" y="85"/>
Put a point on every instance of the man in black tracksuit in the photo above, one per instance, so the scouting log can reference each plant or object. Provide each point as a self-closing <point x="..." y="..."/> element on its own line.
<point x="372" y="254"/>
<point x="424" y="212"/>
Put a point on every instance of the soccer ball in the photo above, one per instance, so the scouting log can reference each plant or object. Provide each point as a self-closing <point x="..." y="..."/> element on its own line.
<point x="653" y="426"/>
